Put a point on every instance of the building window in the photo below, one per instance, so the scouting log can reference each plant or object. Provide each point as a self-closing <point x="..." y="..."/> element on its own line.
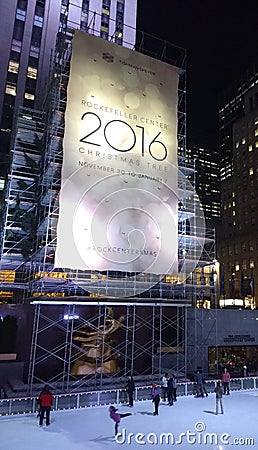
<point x="256" y="144"/>
<point x="36" y="36"/>
<point x="256" y="132"/>
<point x="243" y="140"/>
<point x="250" y="148"/>
<point x="13" y="67"/>
<point x="32" y="72"/>
<point x="39" y="10"/>
<point x="104" y="35"/>
<point x="18" y="30"/>
<point x="10" y="89"/>
<point x="251" y="246"/>
<point x="38" y="21"/>
<point x="22" y="4"/>
<point x="237" y="249"/>
<point x="237" y="144"/>
<point x="29" y="96"/>
<point x="251" y="264"/>
<point x="251" y="171"/>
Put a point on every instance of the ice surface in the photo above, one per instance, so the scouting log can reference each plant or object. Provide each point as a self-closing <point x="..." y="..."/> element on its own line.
<point x="92" y="429"/>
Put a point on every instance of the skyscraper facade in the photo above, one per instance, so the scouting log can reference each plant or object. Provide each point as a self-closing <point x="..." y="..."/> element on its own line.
<point x="237" y="236"/>
<point x="207" y="182"/>
<point x="28" y="34"/>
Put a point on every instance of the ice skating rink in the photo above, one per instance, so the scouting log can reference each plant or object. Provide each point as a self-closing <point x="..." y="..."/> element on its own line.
<point x="189" y="423"/>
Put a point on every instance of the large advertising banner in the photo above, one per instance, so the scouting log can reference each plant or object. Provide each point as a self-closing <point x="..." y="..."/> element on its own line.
<point x="118" y="200"/>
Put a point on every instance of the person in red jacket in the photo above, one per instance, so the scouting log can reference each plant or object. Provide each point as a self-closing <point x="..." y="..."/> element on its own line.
<point x="225" y="377"/>
<point x="45" y="401"/>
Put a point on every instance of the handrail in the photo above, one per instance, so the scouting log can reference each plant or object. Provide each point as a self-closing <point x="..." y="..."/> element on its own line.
<point x="29" y="404"/>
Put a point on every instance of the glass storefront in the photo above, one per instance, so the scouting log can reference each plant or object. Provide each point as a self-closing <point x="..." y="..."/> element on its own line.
<point x="234" y="358"/>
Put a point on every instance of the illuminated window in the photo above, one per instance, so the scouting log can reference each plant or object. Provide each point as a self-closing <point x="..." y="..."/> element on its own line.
<point x="256" y="144"/>
<point x="256" y="132"/>
<point x="237" y="144"/>
<point x="251" y="263"/>
<point x="234" y="203"/>
<point x="237" y="267"/>
<point x="20" y="15"/>
<point x="251" y="171"/>
<point x="250" y="148"/>
<point x="29" y="96"/>
<point x="13" y="67"/>
<point x="243" y="140"/>
<point x="32" y="72"/>
<point x="251" y="246"/>
<point x="233" y="213"/>
<point x="10" y="89"/>
<point x="38" y="21"/>
<point x="233" y="194"/>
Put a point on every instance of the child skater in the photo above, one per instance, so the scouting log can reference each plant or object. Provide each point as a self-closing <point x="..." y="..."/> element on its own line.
<point x="155" y="399"/>
<point x="116" y="417"/>
<point x="218" y="391"/>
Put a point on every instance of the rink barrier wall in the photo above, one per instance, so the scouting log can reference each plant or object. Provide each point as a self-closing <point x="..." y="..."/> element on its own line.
<point x="29" y="405"/>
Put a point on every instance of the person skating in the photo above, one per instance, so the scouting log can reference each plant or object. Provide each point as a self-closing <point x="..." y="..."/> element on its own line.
<point x="130" y="387"/>
<point x="170" y="390"/>
<point x="199" y="383"/>
<point x="45" y="401"/>
<point x="164" y="385"/>
<point x="174" y="385"/>
<point x="39" y="405"/>
<point x="155" y="399"/>
<point x="225" y="380"/>
<point x="218" y="391"/>
<point x="114" y="415"/>
<point x="204" y="385"/>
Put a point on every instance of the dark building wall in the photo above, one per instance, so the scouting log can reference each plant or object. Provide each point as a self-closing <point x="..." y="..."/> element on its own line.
<point x="237" y="237"/>
<point x="235" y="329"/>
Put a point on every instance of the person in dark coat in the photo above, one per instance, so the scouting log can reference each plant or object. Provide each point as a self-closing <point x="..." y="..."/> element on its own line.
<point x="199" y="383"/>
<point x="170" y="390"/>
<point x="155" y="399"/>
<point x="45" y="401"/>
<point x="218" y="391"/>
<point x="174" y="384"/>
<point x="130" y="387"/>
<point x="39" y="405"/>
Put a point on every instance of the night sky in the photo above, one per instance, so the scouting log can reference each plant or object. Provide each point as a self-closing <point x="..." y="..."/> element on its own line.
<point x="221" y="39"/>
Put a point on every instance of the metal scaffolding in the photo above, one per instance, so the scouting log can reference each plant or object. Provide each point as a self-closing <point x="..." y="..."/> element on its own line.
<point x="99" y="343"/>
<point x="29" y="243"/>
